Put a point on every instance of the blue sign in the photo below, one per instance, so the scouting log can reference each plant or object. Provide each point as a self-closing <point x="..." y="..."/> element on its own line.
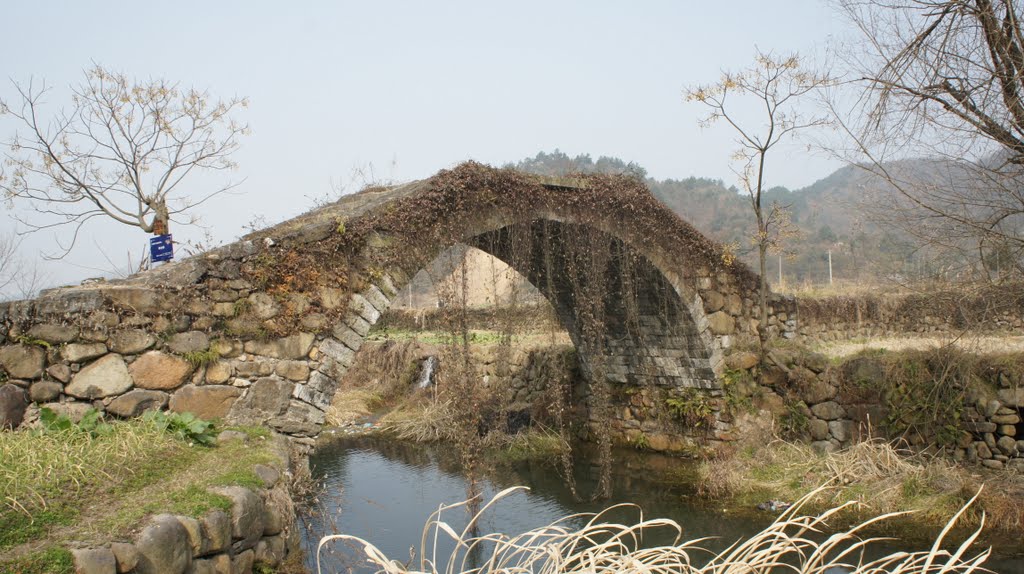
<point x="161" y="248"/>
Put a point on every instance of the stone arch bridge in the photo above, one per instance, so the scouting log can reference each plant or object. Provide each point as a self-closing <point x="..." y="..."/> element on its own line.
<point x="261" y="331"/>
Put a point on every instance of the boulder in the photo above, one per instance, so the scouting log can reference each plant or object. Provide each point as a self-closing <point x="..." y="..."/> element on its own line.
<point x="102" y="378"/>
<point x="206" y="402"/>
<point x="818" y="429"/>
<point x="163" y="547"/>
<point x="131" y="341"/>
<point x="135" y="402"/>
<point x="159" y="371"/>
<point x="13" y="402"/>
<point x="23" y="361"/>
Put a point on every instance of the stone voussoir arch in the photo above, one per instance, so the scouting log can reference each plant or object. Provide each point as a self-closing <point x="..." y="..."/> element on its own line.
<point x="261" y="331"/>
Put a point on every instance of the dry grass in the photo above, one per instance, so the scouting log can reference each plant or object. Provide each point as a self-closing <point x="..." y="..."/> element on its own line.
<point x="38" y="467"/>
<point x="793" y="543"/>
<point x="422" y="421"/>
<point x="971" y="343"/>
<point x="875" y="475"/>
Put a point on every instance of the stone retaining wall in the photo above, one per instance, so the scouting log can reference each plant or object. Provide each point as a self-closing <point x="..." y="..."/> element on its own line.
<point x="995" y="309"/>
<point x="258" y="530"/>
<point x="836" y="405"/>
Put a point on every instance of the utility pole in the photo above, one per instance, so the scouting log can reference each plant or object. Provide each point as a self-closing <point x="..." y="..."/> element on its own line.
<point x="830" y="267"/>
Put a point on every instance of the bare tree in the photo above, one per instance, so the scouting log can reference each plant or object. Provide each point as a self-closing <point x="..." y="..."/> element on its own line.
<point x="17" y="277"/>
<point x="121" y="151"/>
<point x="775" y="85"/>
<point x="942" y="80"/>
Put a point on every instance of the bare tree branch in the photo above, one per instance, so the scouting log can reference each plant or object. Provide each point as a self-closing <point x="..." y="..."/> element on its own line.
<point x="120" y="151"/>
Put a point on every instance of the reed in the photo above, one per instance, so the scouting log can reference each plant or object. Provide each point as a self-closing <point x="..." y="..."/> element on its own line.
<point x="794" y="543"/>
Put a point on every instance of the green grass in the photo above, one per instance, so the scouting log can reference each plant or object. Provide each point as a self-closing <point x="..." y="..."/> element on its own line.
<point x="48" y="480"/>
<point x="52" y="560"/>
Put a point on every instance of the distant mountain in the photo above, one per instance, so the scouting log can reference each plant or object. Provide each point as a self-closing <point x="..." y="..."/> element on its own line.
<point x="827" y="212"/>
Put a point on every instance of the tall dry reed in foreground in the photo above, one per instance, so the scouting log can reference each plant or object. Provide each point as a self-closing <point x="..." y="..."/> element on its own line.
<point x="792" y="544"/>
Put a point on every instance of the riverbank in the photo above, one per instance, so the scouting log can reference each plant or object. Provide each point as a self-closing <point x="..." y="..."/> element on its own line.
<point x="82" y="496"/>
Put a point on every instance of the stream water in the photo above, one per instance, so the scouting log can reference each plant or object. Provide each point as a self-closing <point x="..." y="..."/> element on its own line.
<point x="384" y="490"/>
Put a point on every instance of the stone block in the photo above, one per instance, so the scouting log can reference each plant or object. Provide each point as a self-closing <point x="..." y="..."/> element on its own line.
<point x="263" y="306"/>
<point x="126" y="555"/>
<point x="246" y="515"/>
<point x="189" y="342"/>
<point x="156" y="370"/>
<point x="131" y="341"/>
<point x="53" y="333"/>
<point x="721" y="323"/>
<point x="60" y="372"/>
<point x="79" y="352"/>
<point x="360" y="306"/>
<point x="300" y="419"/>
<point x="45" y="391"/>
<point x="216" y="525"/>
<point x="828" y="411"/>
<point x="218" y="372"/>
<point x="295" y="346"/>
<point x="818" y="429"/>
<point x="163" y="547"/>
<point x="266" y="398"/>
<point x="135" y="402"/>
<point x="23" y="361"/>
<point x="104" y="377"/>
<point x="13" y="403"/>
<point x="207" y="402"/>
<point x="292" y="370"/>
<point x="337" y="351"/>
<point x="742" y="361"/>
<point x="94" y="561"/>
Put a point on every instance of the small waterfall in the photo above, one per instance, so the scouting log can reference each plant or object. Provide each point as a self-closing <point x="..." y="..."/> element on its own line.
<point x="427" y="372"/>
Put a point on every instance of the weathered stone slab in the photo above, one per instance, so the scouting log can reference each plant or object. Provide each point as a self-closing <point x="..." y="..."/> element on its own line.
<point x="294" y="346"/>
<point x="301" y="419"/>
<point x="206" y="402"/>
<point x="78" y="352"/>
<point x="104" y="377"/>
<point x="337" y="351"/>
<point x="156" y="370"/>
<point x="360" y="306"/>
<point x="53" y="333"/>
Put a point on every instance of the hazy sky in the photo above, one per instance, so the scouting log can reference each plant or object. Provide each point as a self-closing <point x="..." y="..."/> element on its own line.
<point x="415" y="87"/>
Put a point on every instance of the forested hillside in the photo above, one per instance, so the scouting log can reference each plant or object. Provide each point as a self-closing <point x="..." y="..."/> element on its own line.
<point x="826" y="213"/>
